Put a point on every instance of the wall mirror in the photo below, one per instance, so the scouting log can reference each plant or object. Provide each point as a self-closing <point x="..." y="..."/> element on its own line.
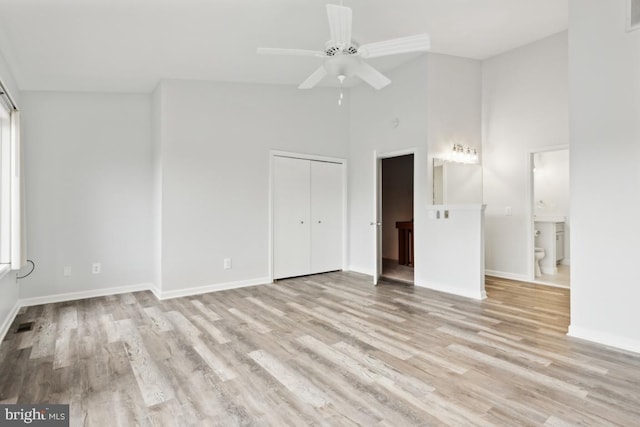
<point x="456" y="183"/>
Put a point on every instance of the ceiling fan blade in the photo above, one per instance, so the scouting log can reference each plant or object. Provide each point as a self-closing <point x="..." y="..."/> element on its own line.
<point x="314" y="78"/>
<point x="372" y="76"/>
<point x="290" y="52"/>
<point x="340" y="19"/>
<point x="417" y="43"/>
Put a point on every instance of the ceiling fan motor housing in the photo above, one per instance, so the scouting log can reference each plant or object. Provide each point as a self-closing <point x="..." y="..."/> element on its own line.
<point x="331" y="49"/>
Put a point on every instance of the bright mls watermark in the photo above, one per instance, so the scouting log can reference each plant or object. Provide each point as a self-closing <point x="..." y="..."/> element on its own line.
<point x="34" y="415"/>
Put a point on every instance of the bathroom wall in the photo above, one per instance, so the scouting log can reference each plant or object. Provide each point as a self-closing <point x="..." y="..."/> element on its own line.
<point x="525" y="109"/>
<point x="551" y="189"/>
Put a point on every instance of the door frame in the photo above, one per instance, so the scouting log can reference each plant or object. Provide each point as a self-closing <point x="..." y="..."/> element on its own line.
<point x="304" y="156"/>
<point x="378" y="156"/>
<point x="531" y="274"/>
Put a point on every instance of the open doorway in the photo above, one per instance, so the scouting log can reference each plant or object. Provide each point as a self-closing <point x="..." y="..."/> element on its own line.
<point x="551" y="217"/>
<point x="396" y="205"/>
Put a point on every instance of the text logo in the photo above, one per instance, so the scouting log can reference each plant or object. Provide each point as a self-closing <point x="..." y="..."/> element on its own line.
<point x="34" y="415"/>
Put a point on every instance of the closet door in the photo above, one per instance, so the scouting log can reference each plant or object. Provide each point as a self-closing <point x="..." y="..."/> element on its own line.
<point x="326" y="216"/>
<point x="291" y="216"/>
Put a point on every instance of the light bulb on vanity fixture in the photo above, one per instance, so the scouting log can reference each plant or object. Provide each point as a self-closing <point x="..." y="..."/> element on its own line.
<point x="463" y="154"/>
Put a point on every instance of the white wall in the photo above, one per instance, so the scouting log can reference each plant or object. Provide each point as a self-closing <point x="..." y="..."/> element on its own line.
<point x="215" y="172"/>
<point x="88" y="186"/>
<point x="371" y="128"/>
<point x="9" y="290"/>
<point x="552" y="191"/>
<point x="454" y="257"/>
<point x="604" y="72"/>
<point x="551" y="183"/>
<point x="525" y="108"/>
<point x="437" y="101"/>
<point x="454" y="113"/>
<point x="397" y="200"/>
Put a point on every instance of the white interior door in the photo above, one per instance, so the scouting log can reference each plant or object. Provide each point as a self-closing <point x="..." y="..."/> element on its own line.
<point x="326" y="217"/>
<point x="291" y="213"/>
<point x="377" y="217"/>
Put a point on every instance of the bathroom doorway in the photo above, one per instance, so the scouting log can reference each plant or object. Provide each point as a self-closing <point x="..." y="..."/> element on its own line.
<point x="550" y="247"/>
<point x="396" y="193"/>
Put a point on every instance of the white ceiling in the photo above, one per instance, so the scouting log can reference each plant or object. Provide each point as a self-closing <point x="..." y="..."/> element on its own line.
<point x="129" y="45"/>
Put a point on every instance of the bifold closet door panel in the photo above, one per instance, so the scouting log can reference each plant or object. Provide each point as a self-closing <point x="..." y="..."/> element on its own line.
<point x="291" y="214"/>
<point x="326" y="216"/>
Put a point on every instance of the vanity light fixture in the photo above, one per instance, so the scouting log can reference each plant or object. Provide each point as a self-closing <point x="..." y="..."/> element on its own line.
<point x="463" y="154"/>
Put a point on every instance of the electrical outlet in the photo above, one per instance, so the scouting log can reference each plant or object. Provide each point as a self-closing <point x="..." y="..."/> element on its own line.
<point x="67" y="271"/>
<point x="508" y="211"/>
<point x="96" y="268"/>
<point x="227" y="264"/>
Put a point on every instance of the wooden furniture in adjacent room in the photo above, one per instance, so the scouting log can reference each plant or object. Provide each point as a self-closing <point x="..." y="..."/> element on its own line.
<point x="405" y="242"/>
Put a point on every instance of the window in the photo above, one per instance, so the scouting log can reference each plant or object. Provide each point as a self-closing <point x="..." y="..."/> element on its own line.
<point x="11" y="213"/>
<point x="5" y="189"/>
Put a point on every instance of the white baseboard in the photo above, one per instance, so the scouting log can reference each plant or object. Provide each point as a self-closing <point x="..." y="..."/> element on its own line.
<point x="361" y="270"/>
<point x="604" y="338"/>
<point x="505" y="275"/>
<point x="6" y="323"/>
<point x="551" y="285"/>
<point x="156" y="292"/>
<point x="72" y="296"/>
<point x="162" y="295"/>
<point x="480" y="294"/>
<point x="565" y="261"/>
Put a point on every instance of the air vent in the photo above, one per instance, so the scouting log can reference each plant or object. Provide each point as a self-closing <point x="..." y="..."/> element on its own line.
<point x="351" y="50"/>
<point x="24" y="327"/>
<point x="335" y="50"/>
<point x="332" y="51"/>
<point x="634" y="15"/>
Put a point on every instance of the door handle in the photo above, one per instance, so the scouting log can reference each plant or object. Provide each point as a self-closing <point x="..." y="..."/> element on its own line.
<point x="378" y="224"/>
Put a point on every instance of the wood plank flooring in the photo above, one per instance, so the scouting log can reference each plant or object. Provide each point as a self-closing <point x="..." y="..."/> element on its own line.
<point x="321" y="350"/>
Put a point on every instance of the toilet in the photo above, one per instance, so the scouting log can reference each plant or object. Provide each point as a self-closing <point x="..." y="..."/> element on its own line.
<point x="539" y="255"/>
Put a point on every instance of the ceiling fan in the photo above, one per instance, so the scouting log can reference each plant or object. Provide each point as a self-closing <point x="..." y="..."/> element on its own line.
<point x="344" y="58"/>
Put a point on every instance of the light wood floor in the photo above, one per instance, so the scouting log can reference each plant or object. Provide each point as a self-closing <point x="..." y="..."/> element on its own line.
<point x="322" y="350"/>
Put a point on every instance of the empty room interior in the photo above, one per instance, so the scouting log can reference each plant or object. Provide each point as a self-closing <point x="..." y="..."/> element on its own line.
<point x="300" y="213"/>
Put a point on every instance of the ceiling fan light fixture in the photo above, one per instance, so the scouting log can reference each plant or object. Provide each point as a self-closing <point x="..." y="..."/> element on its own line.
<point x="341" y="65"/>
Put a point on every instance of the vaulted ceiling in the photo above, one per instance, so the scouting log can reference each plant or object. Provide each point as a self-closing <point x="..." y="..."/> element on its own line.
<point x="129" y="45"/>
